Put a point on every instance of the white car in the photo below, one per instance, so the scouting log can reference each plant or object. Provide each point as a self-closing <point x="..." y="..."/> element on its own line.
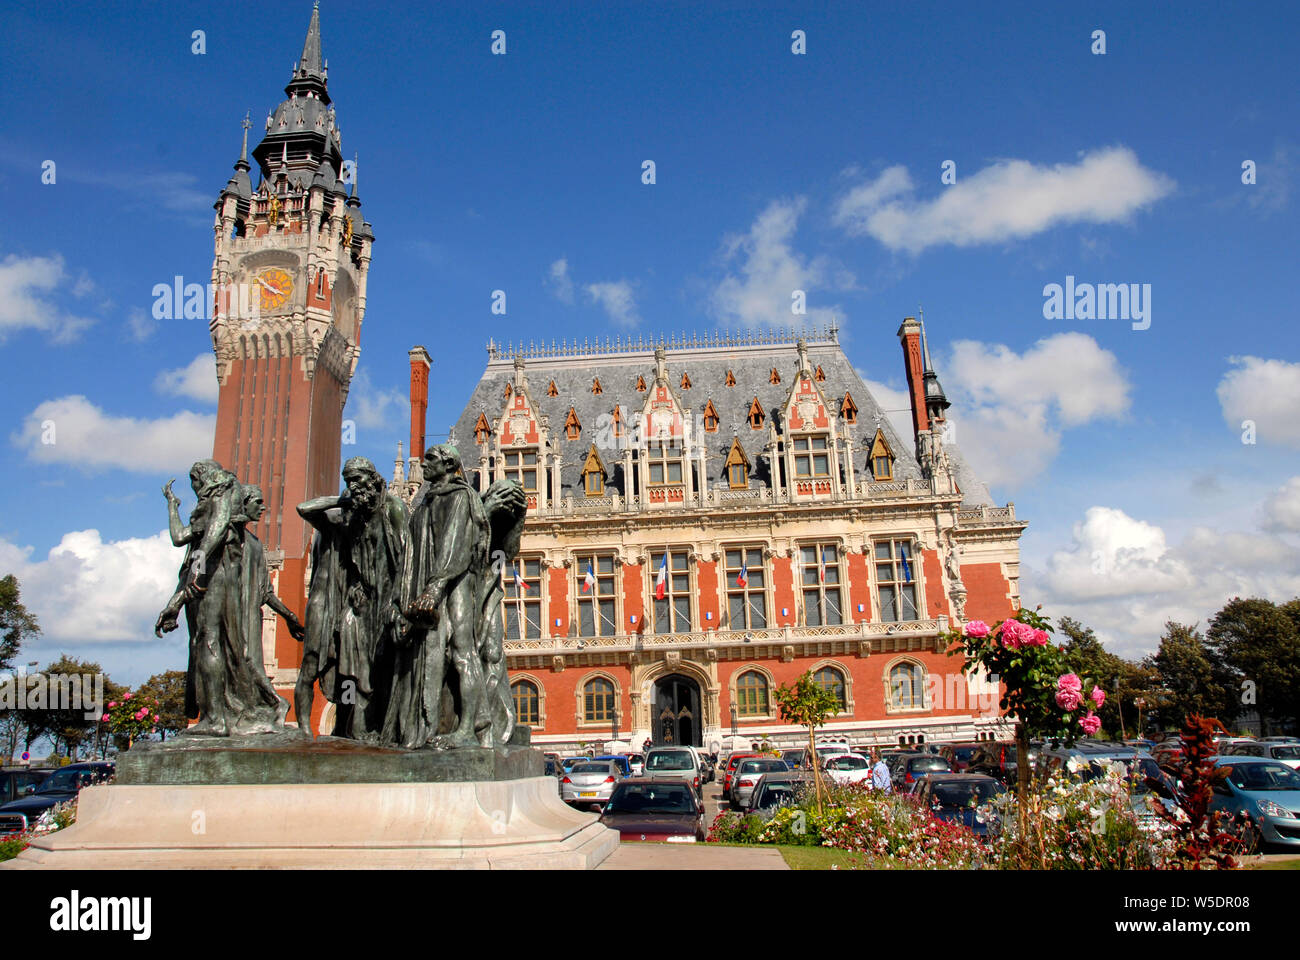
<point x="846" y="768"/>
<point x="1287" y="753"/>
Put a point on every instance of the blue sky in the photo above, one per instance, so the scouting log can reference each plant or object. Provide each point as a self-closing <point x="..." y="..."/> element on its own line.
<point x="1123" y="448"/>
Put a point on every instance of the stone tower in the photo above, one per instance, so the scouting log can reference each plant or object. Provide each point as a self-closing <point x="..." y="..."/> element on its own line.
<point x="290" y="266"/>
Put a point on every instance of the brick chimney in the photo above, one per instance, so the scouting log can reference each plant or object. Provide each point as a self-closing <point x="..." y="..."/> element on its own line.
<point x="420" y="364"/>
<point x="910" y="336"/>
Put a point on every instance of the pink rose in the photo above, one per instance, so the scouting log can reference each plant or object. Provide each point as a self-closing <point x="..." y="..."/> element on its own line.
<point x="1098" y="696"/>
<point x="1016" y="634"/>
<point x="1068" y="699"/>
<point x="1041" y="639"/>
<point x="126" y="696"/>
<point x="104" y="718"/>
<point x="976" y="629"/>
<point x="1091" y="723"/>
<point x="112" y="704"/>
<point x="1070" y="681"/>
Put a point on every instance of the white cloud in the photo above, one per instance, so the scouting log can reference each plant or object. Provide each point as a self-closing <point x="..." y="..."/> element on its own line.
<point x="770" y="270"/>
<point x="1282" y="509"/>
<point x="89" y="591"/>
<point x="1121" y="576"/>
<point x="140" y="325"/>
<point x="1007" y="200"/>
<point x="560" y="282"/>
<point x="26" y="284"/>
<point x="1009" y="409"/>
<point x="1266" y="392"/>
<point x="74" y="431"/>
<point x="617" y="301"/>
<point x="371" y="407"/>
<point x="197" y="380"/>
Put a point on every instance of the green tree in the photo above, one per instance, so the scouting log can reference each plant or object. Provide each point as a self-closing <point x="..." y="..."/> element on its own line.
<point x="168" y="690"/>
<point x="16" y="624"/>
<point x="1122" y="680"/>
<point x="1260" y="642"/>
<point x="1192" y="678"/>
<point x="809" y="705"/>
<point x="65" y="724"/>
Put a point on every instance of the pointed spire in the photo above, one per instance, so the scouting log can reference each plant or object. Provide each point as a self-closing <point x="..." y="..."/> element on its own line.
<point x="309" y="65"/>
<point x="242" y="163"/>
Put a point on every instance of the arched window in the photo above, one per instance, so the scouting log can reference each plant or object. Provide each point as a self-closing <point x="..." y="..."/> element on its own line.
<point x="751" y="694"/>
<point x="907" y="685"/>
<point x="597" y="700"/>
<point x="527" y="702"/>
<point x="832" y="681"/>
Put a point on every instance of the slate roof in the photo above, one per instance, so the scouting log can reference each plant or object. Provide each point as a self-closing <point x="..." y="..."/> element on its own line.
<point x="707" y="367"/>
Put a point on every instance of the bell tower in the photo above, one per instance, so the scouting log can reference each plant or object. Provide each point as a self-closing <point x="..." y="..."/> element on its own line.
<point x="290" y="265"/>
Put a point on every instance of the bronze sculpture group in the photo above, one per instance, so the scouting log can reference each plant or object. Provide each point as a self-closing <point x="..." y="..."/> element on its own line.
<point x="403" y="630"/>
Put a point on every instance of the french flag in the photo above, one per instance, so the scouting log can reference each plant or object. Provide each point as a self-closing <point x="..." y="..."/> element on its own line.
<point x="742" y="578"/>
<point x="661" y="579"/>
<point x="821" y="569"/>
<point x="589" y="580"/>
<point x="520" y="582"/>
<point x="907" y="570"/>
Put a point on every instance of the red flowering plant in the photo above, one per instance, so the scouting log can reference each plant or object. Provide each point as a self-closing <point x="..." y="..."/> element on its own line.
<point x="131" y="718"/>
<point x="1045" y="699"/>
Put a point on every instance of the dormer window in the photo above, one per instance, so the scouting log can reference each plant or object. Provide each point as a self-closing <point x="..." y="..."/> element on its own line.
<point x="617" y="422"/>
<point x="665" y="464"/>
<point x="710" y="418"/>
<point x="811" y="456"/>
<point x="881" y="458"/>
<point x="819" y="376"/>
<point x="593" y="474"/>
<point x="640" y="383"/>
<point x="849" y="409"/>
<point x="774" y="377"/>
<point x="737" y="467"/>
<point x="755" y="415"/>
<point x="481" y="429"/>
<point x="572" y="427"/>
<point x="551" y="390"/>
<point x="510" y="391"/>
<point x="596" y="388"/>
<point x="521" y="465"/>
<point x="686" y="381"/>
<point x="730" y="381"/>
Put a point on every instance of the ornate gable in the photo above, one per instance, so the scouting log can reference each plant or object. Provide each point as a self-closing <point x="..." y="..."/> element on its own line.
<point x="805" y="407"/>
<point x="518" y="425"/>
<point x="661" y="417"/>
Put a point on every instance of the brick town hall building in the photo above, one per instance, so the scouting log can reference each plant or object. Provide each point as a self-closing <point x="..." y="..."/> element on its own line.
<point x="708" y="518"/>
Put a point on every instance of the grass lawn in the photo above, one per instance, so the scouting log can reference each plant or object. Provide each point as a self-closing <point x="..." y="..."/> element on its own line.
<point x="821" y="858"/>
<point x="1293" y="864"/>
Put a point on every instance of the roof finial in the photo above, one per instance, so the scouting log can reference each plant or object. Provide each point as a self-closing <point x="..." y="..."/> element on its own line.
<point x="310" y="62"/>
<point x="243" y="151"/>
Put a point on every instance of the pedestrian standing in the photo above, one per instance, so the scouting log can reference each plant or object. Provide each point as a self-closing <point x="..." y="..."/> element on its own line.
<point x="880" y="779"/>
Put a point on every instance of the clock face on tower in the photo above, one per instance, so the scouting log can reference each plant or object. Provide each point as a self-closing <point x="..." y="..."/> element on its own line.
<point x="274" y="286"/>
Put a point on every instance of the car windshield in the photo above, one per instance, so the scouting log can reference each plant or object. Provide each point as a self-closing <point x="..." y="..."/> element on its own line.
<point x="846" y="763"/>
<point x="651" y="799"/>
<point x="963" y="753"/>
<point x="929" y="763"/>
<point x="61" y="780"/>
<point x="966" y="793"/>
<point x="677" y="760"/>
<point x="1264" y="776"/>
<point x="605" y="768"/>
<point x="1285" y="753"/>
<point x="762" y="766"/>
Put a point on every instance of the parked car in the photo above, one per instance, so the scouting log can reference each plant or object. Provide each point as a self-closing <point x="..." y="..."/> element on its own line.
<point x="794" y="759"/>
<point x="959" y="755"/>
<point x="655" y="809"/>
<point x="552" y="768"/>
<point x="58" y="787"/>
<point x="637" y="762"/>
<point x="1279" y="739"/>
<point x="913" y="765"/>
<point x="1267" y="792"/>
<point x="729" y="770"/>
<point x="1288" y="753"/>
<point x="845" y="768"/>
<point x="955" y="797"/>
<point x="776" y="790"/>
<point x="16" y="781"/>
<point x="746" y="776"/>
<point x="568" y="762"/>
<point x="998" y="760"/>
<point x="590" y="783"/>
<point x="1142" y="746"/>
<point x="679" y="763"/>
<point x="624" y="766"/>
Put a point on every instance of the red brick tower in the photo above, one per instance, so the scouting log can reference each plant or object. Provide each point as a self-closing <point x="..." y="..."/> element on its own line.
<point x="290" y="264"/>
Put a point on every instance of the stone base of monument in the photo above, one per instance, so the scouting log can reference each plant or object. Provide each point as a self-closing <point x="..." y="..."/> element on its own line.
<point x="285" y="802"/>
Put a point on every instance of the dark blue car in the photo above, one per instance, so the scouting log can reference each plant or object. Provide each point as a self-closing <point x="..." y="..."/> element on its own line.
<point x="955" y="797"/>
<point x="59" y="787"/>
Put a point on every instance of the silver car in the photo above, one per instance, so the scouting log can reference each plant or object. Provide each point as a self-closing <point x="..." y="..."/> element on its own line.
<point x="747" y="776"/>
<point x="590" y="783"/>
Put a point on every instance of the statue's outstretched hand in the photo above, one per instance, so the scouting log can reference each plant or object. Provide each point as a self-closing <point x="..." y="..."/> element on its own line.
<point x="296" y="629"/>
<point x="167" y="491"/>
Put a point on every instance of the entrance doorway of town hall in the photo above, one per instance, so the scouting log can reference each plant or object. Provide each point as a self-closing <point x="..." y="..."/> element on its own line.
<point x="676" y="717"/>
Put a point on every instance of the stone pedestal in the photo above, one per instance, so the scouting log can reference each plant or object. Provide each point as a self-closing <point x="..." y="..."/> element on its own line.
<point x="285" y="802"/>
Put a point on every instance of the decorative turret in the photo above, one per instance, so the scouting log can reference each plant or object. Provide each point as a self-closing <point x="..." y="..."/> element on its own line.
<point x="935" y="401"/>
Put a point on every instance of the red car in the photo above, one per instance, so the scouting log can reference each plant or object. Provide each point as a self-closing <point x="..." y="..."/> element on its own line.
<point x="665" y="810"/>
